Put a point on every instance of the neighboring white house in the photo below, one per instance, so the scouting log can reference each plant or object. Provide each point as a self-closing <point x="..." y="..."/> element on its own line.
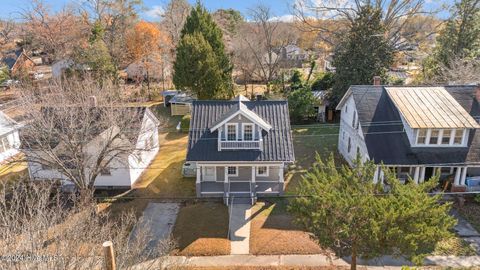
<point x="416" y="130"/>
<point x="240" y="148"/>
<point x="123" y="171"/>
<point x="9" y="138"/>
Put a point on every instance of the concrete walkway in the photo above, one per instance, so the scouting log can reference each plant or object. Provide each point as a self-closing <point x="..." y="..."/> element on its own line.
<point x="157" y="220"/>
<point x="239" y="228"/>
<point x="466" y="231"/>
<point x="315" y="260"/>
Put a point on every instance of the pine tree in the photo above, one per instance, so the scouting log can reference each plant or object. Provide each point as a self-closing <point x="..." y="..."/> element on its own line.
<point x="459" y="40"/>
<point x="363" y="54"/>
<point x="201" y="63"/>
<point x="461" y="36"/>
<point x="351" y="215"/>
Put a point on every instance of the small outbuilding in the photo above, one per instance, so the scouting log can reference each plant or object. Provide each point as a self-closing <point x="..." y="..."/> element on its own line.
<point x="320" y="104"/>
<point x="167" y="95"/>
<point x="181" y="104"/>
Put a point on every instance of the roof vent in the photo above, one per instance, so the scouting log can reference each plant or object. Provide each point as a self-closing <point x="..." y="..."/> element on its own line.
<point x="377" y="80"/>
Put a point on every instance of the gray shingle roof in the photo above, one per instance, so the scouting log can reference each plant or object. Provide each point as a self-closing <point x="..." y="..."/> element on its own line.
<point x="374" y="105"/>
<point x="277" y="143"/>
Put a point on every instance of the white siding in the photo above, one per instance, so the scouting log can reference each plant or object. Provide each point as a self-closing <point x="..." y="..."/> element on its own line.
<point x="348" y="132"/>
<point x="14" y="142"/>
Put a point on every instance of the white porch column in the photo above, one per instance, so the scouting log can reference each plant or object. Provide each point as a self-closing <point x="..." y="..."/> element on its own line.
<point x="422" y="174"/>
<point x="253" y="173"/>
<point x="456" y="180"/>
<point x="416" y="175"/>
<point x="226" y="174"/>
<point x="199" y="173"/>
<point x="382" y="177"/>
<point x="280" y="174"/>
<point x="464" y="176"/>
<point x="375" y="175"/>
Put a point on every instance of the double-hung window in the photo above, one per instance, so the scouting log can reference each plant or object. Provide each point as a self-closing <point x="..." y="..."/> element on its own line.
<point x="434" y="133"/>
<point x="232" y="171"/>
<point x="446" y="136"/>
<point x="231" y="132"/>
<point x="458" y="138"/>
<point x="262" y="171"/>
<point x="247" y="132"/>
<point x="422" y="136"/>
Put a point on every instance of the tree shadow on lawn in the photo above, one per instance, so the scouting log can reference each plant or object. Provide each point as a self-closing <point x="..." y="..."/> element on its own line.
<point x="273" y="231"/>
<point x="201" y="229"/>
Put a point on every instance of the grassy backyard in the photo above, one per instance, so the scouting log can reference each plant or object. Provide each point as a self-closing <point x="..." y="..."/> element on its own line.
<point x="308" y="140"/>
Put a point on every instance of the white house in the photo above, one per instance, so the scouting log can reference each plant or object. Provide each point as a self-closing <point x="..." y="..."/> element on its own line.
<point x="416" y="130"/>
<point x="9" y="138"/>
<point x="124" y="170"/>
<point x="240" y="148"/>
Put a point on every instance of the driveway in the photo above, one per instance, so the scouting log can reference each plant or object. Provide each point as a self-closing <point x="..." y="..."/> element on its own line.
<point x="158" y="220"/>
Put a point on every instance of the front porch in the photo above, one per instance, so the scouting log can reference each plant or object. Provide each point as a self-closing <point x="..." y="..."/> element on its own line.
<point x="465" y="177"/>
<point x="240" y="180"/>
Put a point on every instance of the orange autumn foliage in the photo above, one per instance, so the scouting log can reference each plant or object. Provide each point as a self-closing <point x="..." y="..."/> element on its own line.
<point x="146" y="39"/>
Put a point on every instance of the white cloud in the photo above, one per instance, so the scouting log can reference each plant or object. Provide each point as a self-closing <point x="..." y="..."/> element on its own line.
<point x="283" y="18"/>
<point x="155" y="12"/>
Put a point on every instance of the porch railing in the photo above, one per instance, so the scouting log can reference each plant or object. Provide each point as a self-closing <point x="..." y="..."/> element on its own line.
<point x="256" y="143"/>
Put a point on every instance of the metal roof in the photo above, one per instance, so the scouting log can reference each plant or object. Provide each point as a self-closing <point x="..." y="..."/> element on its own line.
<point x="277" y="142"/>
<point x="388" y="143"/>
<point x="182" y="98"/>
<point x="430" y="107"/>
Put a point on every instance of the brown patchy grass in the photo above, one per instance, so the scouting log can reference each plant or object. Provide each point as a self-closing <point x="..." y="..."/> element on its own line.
<point x="262" y="268"/>
<point x="308" y="140"/>
<point x="201" y="230"/>
<point x="273" y="232"/>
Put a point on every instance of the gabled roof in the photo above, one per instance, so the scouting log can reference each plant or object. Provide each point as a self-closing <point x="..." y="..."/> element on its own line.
<point x="11" y="58"/>
<point x="277" y="143"/>
<point x="430" y="107"/>
<point x="240" y="108"/>
<point x="388" y="142"/>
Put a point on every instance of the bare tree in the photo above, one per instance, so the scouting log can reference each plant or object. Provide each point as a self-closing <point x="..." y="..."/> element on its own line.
<point x="7" y="28"/>
<point x="174" y="17"/>
<point x="116" y="17"/>
<point x="55" y="33"/>
<point x="77" y="129"/>
<point x="459" y="71"/>
<point x="312" y="15"/>
<point x="266" y="39"/>
<point x="243" y="58"/>
<point x="42" y="229"/>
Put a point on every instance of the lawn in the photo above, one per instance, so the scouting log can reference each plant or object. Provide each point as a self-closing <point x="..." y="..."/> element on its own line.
<point x="308" y="140"/>
<point x="201" y="229"/>
<point x="273" y="231"/>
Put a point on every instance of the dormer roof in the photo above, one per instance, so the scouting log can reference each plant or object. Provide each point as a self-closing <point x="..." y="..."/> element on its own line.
<point x="430" y="107"/>
<point x="242" y="109"/>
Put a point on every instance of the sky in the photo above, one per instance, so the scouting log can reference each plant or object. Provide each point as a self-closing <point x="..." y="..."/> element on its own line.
<point x="281" y="8"/>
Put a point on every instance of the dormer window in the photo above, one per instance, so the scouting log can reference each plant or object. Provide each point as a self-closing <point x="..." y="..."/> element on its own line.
<point x="248" y="132"/>
<point x="422" y="136"/>
<point x="434" y="136"/>
<point x="231" y="132"/>
<point x="440" y="137"/>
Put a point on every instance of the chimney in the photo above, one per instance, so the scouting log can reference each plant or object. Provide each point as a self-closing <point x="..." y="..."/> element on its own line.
<point x="92" y="101"/>
<point x="377" y="80"/>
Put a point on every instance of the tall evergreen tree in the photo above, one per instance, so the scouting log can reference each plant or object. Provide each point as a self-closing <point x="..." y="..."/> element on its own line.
<point x="459" y="40"/>
<point x="351" y="215"/>
<point x="201" y="57"/>
<point x="461" y="36"/>
<point x="363" y="54"/>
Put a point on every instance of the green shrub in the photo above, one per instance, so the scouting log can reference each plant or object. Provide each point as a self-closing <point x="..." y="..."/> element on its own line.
<point x="185" y="123"/>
